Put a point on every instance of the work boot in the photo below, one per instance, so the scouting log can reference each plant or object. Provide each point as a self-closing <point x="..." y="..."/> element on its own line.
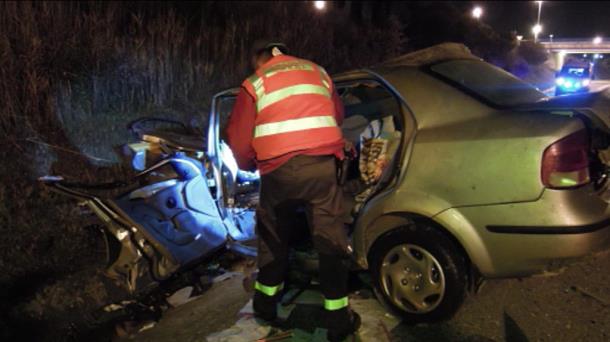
<point x="265" y="307"/>
<point x="342" y="323"/>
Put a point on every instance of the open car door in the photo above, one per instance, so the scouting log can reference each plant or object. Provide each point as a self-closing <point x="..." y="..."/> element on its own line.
<point x="237" y="191"/>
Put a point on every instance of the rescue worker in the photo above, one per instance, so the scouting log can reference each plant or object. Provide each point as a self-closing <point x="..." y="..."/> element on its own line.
<point x="286" y="123"/>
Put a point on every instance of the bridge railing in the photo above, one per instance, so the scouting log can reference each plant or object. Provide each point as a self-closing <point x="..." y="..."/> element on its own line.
<point x="572" y="40"/>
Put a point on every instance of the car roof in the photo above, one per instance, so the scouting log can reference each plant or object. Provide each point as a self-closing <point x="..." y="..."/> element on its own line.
<point x="416" y="59"/>
<point x="431" y="55"/>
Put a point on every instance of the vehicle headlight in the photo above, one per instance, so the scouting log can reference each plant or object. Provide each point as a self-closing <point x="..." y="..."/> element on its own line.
<point x="559" y="81"/>
<point x="577" y="85"/>
<point x="568" y="84"/>
<point x="585" y="82"/>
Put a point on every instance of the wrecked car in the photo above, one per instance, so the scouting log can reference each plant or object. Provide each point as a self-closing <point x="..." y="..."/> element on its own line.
<point x="181" y="207"/>
<point x="464" y="173"/>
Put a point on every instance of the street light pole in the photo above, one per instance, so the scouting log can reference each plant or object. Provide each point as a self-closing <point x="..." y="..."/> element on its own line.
<point x="538" y="28"/>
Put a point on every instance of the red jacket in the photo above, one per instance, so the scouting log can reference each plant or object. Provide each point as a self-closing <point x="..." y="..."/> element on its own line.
<point x="277" y="149"/>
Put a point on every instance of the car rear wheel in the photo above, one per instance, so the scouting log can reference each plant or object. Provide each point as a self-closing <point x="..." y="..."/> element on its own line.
<point x="419" y="273"/>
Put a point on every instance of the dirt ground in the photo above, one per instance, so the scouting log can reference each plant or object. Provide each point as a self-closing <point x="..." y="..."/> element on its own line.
<point x="571" y="306"/>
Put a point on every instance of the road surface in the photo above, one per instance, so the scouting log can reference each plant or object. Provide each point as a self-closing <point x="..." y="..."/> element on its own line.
<point x="599" y="85"/>
<point x="571" y="306"/>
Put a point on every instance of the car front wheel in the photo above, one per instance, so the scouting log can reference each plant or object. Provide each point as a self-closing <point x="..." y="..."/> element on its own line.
<point x="419" y="273"/>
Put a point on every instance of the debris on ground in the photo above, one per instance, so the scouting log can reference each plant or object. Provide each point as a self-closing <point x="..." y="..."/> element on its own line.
<point x="225" y="276"/>
<point x="590" y="294"/>
<point x="188" y="294"/>
<point x="181" y="296"/>
<point x="376" y="323"/>
<point x="129" y="329"/>
<point x="277" y="336"/>
<point x="503" y="310"/>
<point x="117" y="306"/>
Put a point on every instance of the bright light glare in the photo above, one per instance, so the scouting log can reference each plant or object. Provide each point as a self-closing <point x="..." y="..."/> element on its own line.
<point x="585" y="83"/>
<point x="597" y="40"/>
<point x="319" y="5"/>
<point x="559" y="81"/>
<point x="519" y="37"/>
<point x="537" y="29"/>
<point x="477" y="12"/>
<point x="568" y="84"/>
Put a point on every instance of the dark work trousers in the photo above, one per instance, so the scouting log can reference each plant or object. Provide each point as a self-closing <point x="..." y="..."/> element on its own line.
<point x="312" y="180"/>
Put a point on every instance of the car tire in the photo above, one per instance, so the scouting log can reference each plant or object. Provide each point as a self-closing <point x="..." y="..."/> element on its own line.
<point x="419" y="273"/>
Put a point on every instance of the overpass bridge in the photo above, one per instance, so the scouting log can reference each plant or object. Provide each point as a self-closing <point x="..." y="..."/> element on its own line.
<point x="559" y="48"/>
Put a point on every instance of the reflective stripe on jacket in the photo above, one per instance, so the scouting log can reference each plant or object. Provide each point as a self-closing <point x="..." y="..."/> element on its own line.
<point x="295" y="111"/>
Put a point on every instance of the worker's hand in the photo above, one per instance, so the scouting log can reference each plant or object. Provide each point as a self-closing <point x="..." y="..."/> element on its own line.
<point x="350" y="149"/>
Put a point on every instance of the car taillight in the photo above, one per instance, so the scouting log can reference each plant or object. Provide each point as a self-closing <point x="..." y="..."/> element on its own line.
<point x="565" y="164"/>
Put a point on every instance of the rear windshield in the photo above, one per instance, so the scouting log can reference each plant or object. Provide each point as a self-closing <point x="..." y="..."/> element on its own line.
<point x="489" y="82"/>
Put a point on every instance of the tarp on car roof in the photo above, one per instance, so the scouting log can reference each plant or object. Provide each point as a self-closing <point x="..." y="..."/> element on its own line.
<point x="436" y="53"/>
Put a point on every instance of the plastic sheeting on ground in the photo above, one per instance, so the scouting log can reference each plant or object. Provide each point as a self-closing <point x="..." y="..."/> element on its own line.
<point x="377" y="324"/>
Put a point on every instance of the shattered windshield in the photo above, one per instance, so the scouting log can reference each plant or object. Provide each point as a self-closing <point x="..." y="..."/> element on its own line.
<point x="489" y="82"/>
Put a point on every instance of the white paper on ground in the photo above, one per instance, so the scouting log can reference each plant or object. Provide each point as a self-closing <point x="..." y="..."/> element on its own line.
<point x="376" y="322"/>
<point x="181" y="296"/>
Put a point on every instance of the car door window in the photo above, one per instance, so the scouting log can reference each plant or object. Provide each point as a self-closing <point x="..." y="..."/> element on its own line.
<point x="224" y="109"/>
<point x="371" y="111"/>
<point x="372" y="124"/>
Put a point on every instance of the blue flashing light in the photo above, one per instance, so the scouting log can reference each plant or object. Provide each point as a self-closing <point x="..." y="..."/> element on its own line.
<point x="559" y="81"/>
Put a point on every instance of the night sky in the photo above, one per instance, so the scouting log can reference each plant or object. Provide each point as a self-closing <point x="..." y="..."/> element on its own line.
<point x="563" y="19"/>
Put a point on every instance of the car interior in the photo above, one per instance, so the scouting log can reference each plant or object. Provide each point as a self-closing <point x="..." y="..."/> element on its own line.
<point x="371" y="124"/>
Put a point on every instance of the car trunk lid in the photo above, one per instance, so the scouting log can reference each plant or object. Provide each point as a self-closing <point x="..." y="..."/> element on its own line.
<point x="595" y="106"/>
<point x="594" y="110"/>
